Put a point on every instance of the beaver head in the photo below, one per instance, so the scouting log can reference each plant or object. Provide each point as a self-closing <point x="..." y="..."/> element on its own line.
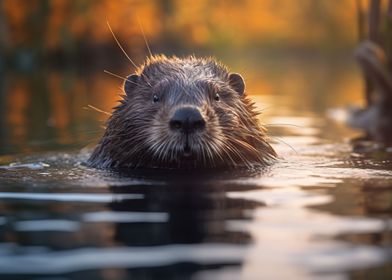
<point x="183" y="113"/>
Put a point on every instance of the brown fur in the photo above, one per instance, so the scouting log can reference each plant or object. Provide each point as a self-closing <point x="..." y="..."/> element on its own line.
<point x="138" y="134"/>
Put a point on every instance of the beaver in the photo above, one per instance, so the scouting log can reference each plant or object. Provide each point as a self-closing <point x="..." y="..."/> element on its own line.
<point x="185" y="112"/>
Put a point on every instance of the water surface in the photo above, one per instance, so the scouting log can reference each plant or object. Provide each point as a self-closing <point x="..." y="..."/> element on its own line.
<point x="323" y="211"/>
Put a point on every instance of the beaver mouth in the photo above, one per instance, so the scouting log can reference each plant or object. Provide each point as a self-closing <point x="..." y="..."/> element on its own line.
<point x="187" y="152"/>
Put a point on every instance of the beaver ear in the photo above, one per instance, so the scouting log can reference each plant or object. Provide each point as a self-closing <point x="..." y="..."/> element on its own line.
<point x="237" y="83"/>
<point x="130" y="83"/>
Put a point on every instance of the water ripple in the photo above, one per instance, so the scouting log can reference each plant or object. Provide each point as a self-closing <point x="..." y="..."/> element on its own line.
<point x="130" y="257"/>
<point x="70" y="197"/>
<point x="126" y="217"/>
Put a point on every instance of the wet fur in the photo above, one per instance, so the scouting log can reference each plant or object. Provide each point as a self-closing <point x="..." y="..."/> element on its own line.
<point x="138" y="135"/>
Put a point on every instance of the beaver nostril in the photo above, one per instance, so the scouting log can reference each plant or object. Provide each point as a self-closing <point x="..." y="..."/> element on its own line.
<point x="175" y="124"/>
<point x="200" y="124"/>
<point x="187" y="120"/>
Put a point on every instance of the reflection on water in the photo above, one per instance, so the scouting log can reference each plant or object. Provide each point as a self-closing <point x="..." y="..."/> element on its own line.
<point x="322" y="211"/>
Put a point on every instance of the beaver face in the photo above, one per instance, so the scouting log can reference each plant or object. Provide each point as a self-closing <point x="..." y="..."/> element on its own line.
<point x="183" y="113"/>
<point x="186" y="127"/>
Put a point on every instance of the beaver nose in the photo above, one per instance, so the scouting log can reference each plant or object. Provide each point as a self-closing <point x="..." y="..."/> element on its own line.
<point x="188" y="120"/>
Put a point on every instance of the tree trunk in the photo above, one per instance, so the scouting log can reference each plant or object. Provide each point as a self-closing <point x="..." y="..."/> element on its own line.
<point x="388" y="35"/>
<point x="374" y="21"/>
<point x="360" y="20"/>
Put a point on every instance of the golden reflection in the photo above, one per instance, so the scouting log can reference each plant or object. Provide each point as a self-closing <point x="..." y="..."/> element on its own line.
<point x="60" y="111"/>
<point x="17" y="111"/>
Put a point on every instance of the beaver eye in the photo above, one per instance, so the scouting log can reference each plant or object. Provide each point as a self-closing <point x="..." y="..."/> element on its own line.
<point x="216" y="97"/>
<point x="155" y="98"/>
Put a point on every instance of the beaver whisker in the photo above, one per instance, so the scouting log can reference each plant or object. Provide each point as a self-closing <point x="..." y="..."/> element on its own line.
<point x="210" y="154"/>
<point x="211" y="149"/>
<point x="245" y="145"/>
<point x="97" y="110"/>
<point x="261" y="110"/>
<point x="144" y="37"/>
<point x="119" y="45"/>
<point x="238" y="153"/>
<point x="118" y="76"/>
<point x="169" y="152"/>
<point x="215" y="150"/>
<point x="123" y="50"/>
<point x="163" y="150"/>
<point x="204" y="155"/>
<point x="282" y="141"/>
<point x="239" y="144"/>
<point x="156" y="148"/>
<point x="160" y="152"/>
<point x="227" y="151"/>
<point x="200" y="153"/>
<point x="283" y="124"/>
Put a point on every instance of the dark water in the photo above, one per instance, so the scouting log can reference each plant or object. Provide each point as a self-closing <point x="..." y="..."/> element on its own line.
<point x="323" y="211"/>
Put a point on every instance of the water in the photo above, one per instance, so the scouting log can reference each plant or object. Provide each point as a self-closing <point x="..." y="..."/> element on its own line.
<point x="323" y="211"/>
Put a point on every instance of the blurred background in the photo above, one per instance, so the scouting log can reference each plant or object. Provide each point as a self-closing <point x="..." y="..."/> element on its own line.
<point x="295" y="55"/>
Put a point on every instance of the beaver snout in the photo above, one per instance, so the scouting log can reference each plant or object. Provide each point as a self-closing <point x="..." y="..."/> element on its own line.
<point x="187" y="120"/>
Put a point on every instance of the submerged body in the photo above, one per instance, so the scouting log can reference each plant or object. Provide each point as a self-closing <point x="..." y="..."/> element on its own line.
<point x="183" y="113"/>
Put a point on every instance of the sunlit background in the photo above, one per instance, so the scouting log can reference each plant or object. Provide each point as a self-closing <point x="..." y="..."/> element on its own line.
<point x="297" y="54"/>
